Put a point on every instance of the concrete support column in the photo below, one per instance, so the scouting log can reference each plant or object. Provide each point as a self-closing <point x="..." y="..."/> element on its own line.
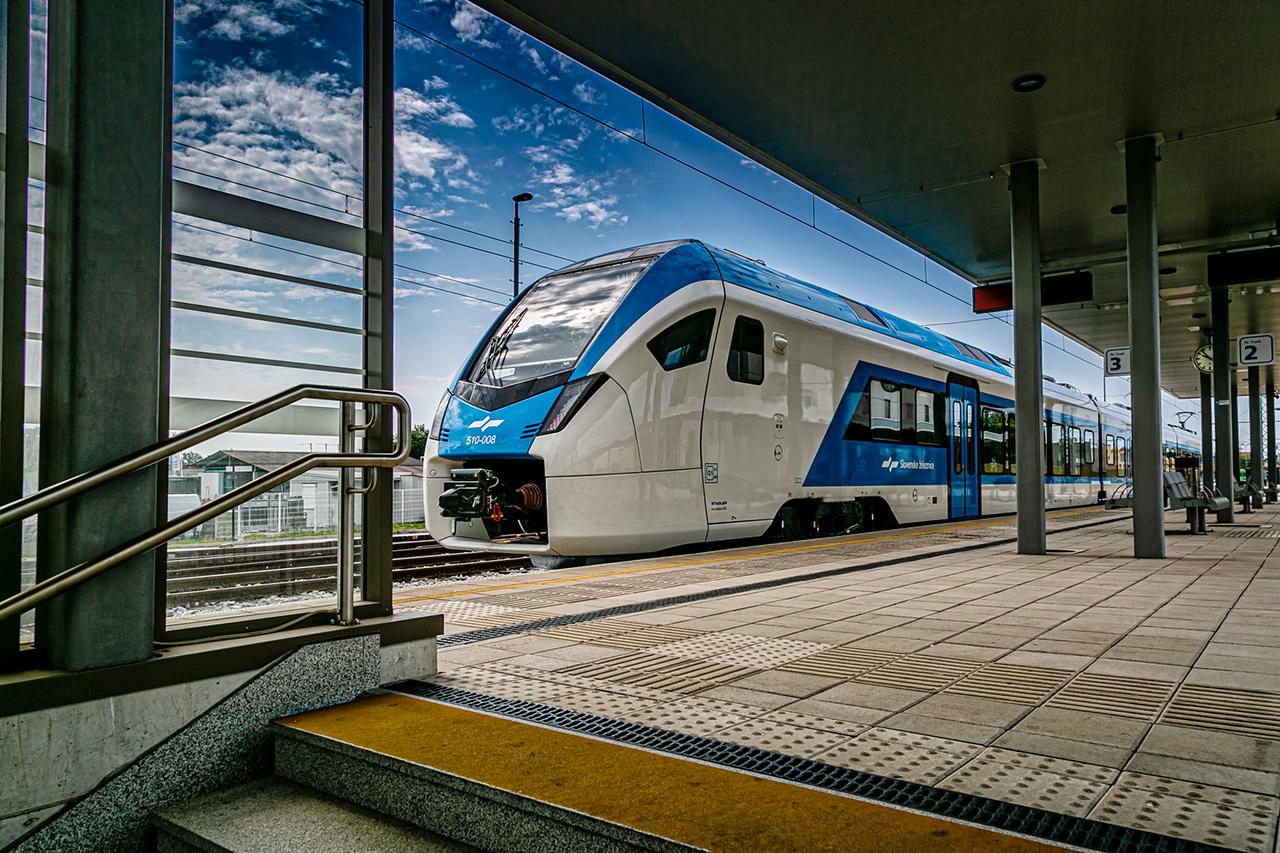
<point x="1206" y="430"/>
<point x="1144" y="340"/>
<point x="1255" y="435"/>
<point x="1028" y="389"/>
<point x="1271" y="442"/>
<point x="1224" y="450"/>
<point x="104" y="305"/>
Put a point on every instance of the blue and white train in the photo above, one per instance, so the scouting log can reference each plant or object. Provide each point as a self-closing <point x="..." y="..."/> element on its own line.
<point x="676" y="393"/>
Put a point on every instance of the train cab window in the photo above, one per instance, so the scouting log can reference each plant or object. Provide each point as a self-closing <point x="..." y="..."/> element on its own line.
<point x="746" y="352"/>
<point x="886" y="410"/>
<point x="685" y="342"/>
<point x="993" y="450"/>
<point x="931" y="429"/>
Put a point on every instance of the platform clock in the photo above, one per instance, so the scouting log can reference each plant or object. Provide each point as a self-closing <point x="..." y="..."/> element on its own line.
<point x="1203" y="359"/>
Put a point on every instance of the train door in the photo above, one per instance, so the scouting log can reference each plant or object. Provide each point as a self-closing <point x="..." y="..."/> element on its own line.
<point x="746" y="429"/>
<point x="962" y="403"/>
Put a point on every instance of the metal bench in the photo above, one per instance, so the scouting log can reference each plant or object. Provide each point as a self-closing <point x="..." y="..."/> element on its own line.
<point x="1248" y="495"/>
<point x="1179" y="496"/>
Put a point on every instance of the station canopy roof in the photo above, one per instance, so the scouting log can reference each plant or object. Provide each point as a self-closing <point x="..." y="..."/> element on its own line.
<point x="904" y="114"/>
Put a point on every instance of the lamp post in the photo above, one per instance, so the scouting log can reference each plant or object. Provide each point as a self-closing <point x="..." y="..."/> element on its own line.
<point x="515" y="244"/>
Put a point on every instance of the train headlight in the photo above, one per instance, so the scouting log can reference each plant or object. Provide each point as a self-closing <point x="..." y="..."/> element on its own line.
<point x="570" y="400"/>
<point x="439" y="419"/>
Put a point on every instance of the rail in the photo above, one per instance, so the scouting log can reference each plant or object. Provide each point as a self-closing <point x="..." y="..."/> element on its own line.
<point x="346" y="460"/>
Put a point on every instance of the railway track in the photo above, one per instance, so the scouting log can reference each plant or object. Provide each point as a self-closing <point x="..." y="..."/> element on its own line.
<point x="202" y="575"/>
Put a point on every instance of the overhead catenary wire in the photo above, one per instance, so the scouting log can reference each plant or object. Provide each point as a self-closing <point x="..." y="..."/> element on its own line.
<point x="644" y="142"/>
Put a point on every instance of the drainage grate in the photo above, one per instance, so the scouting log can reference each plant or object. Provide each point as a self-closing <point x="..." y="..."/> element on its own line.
<point x="929" y="673"/>
<point x="1007" y="682"/>
<point x="1008" y="817"/>
<point x="1251" y="712"/>
<point x="1114" y="695"/>
<point x="658" y="672"/>
<point x="841" y="662"/>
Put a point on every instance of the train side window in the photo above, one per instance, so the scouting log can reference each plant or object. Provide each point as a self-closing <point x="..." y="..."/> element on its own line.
<point x="957" y="438"/>
<point x="1011" y="442"/>
<point x="886" y="410"/>
<point x="993" y="448"/>
<point x="1109" y="454"/>
<point x="1075" y="452"/>
<point x="684" y="342"/>
<point x="931" y="430"/>
<point x="969" y="429"/>
<point x="1089" y="458"/>
<point x="1056" y="450"/>
<point x="746" y="352"/>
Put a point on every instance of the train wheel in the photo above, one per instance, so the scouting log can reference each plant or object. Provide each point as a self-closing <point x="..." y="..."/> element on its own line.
<point x="789" y="526"/>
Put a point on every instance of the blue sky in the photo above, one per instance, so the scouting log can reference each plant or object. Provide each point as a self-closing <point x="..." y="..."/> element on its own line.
<point x="268" y="104"/>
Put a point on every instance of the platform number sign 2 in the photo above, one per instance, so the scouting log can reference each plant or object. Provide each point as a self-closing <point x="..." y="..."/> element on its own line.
<point x="1116" y="362"/>
<point x="1256" y="350"/>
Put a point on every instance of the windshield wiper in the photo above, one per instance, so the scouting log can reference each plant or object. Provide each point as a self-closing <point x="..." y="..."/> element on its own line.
<point x="499" y="343"/>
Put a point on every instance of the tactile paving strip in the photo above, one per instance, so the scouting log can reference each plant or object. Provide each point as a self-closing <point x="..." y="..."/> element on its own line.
<point x="656" y="635"/>
<point x="1011" y="817"/>
<point x="770" y="653"/>
<point x="706" y="645"/>
<point x="1251" y="712"/>
<point x="590" y="632"/>
<point x="1114" y="695"/>
<point x="1196" y="820"/>
<point x="675" y="600"/>
<point x="781" y="737"/>
<point x="929" y="673"/>
<point x="1007" y="682"/>
<point x="840" y="662"/>
<point x="659" y="672"/>
<point x="902" y="755"/>
<point x="1059" y="785"/>
<point x="672" y="601"/>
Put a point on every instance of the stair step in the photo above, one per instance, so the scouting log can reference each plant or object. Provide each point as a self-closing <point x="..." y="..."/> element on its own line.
<point x="275" y="815"/>
<point x="507" y="786"/>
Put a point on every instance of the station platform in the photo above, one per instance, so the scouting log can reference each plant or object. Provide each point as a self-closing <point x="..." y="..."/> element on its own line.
<point x="1082" y="698"/>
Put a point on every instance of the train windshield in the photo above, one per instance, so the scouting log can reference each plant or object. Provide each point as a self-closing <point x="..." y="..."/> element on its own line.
<point x="547" y="330"/>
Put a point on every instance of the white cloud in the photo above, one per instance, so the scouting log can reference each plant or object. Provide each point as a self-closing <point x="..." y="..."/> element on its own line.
<point x="245" y="20"/>
<point x="406" y="40"/>
<point x="585" y="93"/>
<point x="442" y="108"/>
<point x="470" y="24"/>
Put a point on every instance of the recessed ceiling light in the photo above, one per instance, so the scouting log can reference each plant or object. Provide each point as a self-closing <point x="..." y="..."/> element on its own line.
<point x="1119" y="209"/>
<point x="1168" y="270"/>
<point x="1199" y="315"/>
<point x="1028" y="83"/>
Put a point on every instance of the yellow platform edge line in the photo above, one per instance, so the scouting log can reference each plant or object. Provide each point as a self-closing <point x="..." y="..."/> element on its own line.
<point x="705" y="806"/>
<point x="729" y="558"/>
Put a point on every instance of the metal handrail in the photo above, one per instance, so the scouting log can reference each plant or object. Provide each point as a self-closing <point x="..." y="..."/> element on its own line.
<point x="56" y="585"/>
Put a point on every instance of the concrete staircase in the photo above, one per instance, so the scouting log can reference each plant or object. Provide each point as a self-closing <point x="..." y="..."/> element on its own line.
<point x="394" y="772"/>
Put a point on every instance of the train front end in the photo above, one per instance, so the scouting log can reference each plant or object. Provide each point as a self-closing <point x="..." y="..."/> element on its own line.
<point x="528" y="400"/>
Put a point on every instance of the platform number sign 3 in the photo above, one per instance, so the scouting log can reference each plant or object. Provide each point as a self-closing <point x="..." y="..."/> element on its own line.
<point x="1256" y="350"/>
<point x="1116" y="362"/>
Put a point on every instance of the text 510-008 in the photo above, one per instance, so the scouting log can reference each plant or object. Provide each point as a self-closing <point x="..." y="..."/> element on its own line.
<point x="482" y="439"/>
